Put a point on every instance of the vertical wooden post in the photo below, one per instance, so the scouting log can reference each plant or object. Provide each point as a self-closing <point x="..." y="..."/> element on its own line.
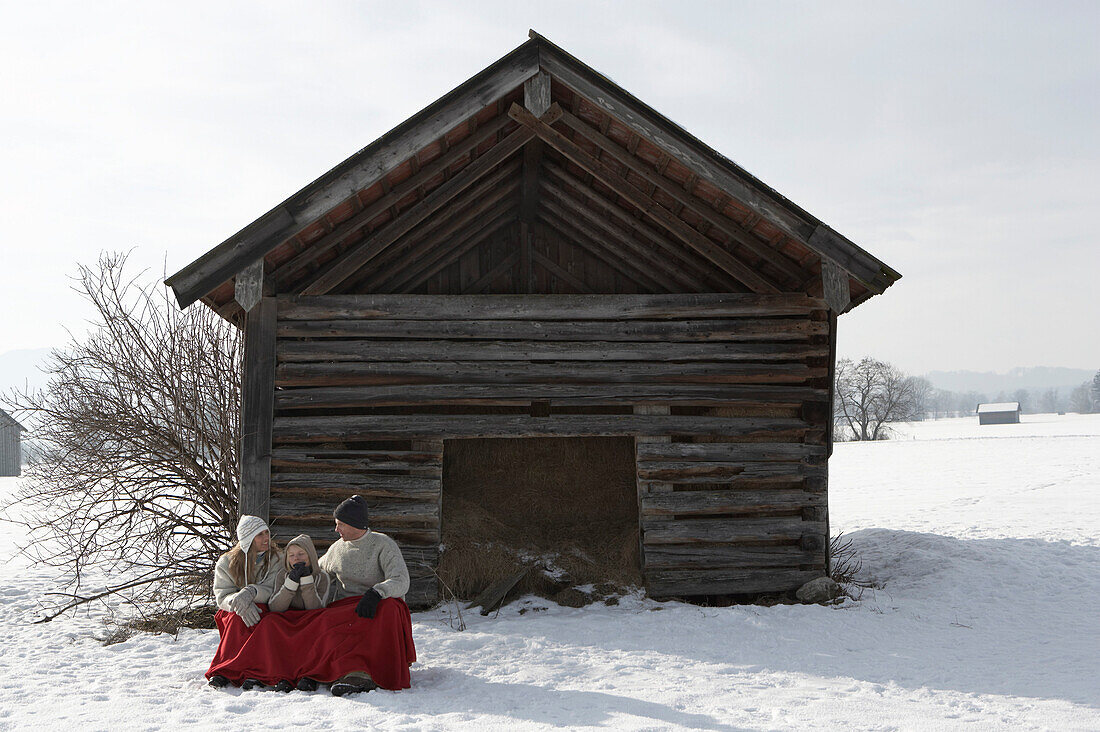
<point x="650" y="487"/>
<point x="257" y="406"/>
<point x="829" y="430"/>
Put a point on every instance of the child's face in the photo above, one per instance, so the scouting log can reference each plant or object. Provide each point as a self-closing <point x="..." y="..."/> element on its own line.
<point x="295" y="554"/>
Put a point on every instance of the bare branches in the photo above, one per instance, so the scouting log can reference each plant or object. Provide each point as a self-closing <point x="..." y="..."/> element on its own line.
<point x="134" y="469"/>
<point x="871" y="393"/>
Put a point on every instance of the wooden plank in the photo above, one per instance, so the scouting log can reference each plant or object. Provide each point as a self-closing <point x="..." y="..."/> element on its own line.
<point x="527" y="372"/>
<point x="564" y="275"/>
<point x="547" y="307"/>
<point x="676" y="142"/>
<point x="834" y="283"/>
<point x="392" y="512"/>
<point x="587" y="197"/>
<point x="702" y="503"/>
<point x="248" y="285"/>
<point x="291" y="526"/>
<point x="698" y="471"/>
<point x="463" y="243"/>
<point x="336" y="487"/>
<point x="697" y="206"/>
<point x="303" y="463"/>
<point x="726" y="581"/>
<point x="354" y="174"/>
<point x="728" y="530"/>
<point x="670" y="556"/>
<point x="871" y="273"/>
<point x="292" y="351"/>
<point x="467" y="214"/>
<point x="379" y="427"/>
<point x="487" y="279"/>
<point x="257" y="404"/>
<point x="732" y="451"/>
<point x="494" y="594"/>
<point x="606" y="251"/>
<point x="719" y="256"/>
<point x="557" y="394"/>
<point x="283" y="275"/>
<point x="348" y="263"/>
<point x="674" y="276"/>
<point x="361" y="459"/>
<point x="683" y="331"/>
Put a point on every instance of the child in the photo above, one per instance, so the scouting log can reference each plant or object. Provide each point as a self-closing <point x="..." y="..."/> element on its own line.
<point x="301" y="583"/>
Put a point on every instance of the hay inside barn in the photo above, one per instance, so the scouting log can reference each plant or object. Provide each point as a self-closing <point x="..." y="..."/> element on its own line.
<point x="567" y="505"/>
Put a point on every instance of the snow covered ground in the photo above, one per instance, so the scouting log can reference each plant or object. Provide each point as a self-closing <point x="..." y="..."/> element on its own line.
<point x="986" y="541"/>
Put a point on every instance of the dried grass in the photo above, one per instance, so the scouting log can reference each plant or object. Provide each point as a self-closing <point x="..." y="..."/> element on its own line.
<point x="564" y="506"/>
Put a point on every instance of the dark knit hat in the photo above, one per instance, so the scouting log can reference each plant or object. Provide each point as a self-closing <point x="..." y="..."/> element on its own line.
<point x="353" y="512"/>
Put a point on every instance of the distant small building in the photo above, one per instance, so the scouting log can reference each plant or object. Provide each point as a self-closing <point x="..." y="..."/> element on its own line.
<point x="999" y="413"/>
<point x="11" y="451"/>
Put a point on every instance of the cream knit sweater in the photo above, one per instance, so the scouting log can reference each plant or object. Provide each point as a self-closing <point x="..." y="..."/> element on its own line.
<point x="372" y="560"/>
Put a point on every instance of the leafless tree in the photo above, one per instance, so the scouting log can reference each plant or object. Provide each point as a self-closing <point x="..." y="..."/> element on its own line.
<point x="871" y="393"/>
<point x="131" y="488"/>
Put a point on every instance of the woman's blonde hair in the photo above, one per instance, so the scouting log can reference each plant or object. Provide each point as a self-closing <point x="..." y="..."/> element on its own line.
<point x="237" y="563"/>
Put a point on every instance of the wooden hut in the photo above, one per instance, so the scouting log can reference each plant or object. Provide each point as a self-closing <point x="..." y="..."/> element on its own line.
<point x="11" y="445"/>
<point x="539" y="254"/>
<point x="999" y="413"/>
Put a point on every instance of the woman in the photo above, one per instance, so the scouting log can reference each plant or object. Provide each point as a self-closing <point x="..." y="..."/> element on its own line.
<point x="243" y="577"/>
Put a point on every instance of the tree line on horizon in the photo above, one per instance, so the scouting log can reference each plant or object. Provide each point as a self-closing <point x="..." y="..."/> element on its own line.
<point x="871" y="394"/>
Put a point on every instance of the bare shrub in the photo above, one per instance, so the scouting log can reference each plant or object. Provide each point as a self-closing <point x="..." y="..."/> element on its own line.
<point x="132" y="486"/>
<point x="846" y="568"/>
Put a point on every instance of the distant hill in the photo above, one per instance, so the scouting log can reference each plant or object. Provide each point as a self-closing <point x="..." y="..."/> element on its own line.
<point x="988" y="382"/>
<point x="19" y="369"/>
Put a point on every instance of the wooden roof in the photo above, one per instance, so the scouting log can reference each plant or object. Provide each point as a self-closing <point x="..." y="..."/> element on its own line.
<point x="6" y="420"/>
<point x="541" y="139"/>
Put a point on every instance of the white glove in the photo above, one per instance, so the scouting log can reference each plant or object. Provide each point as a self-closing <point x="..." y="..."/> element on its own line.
<point x="242" y="600"/>
<point x="250" y="615"/>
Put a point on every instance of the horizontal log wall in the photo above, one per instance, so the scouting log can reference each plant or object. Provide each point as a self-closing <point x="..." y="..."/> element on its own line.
<point x="727" y="396"/>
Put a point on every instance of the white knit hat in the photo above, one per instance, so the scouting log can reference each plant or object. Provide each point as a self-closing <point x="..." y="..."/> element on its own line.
<point x="248" y="528"/>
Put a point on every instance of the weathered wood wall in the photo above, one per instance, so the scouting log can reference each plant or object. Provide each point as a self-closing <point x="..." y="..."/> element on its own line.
<point x="11" y="455"/>
<point x="727" y="396"/>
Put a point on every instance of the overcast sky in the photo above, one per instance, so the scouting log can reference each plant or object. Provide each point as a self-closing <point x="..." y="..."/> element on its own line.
<point x="957" y="142"/>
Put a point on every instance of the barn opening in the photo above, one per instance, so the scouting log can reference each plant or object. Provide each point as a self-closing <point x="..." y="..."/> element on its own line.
<point x="567" y="507"/>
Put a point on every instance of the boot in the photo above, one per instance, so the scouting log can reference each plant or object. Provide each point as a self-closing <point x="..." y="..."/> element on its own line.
<point x="250" y="684"/>
<point x="307" y="684"/>
<point x="284" y="686"/>
<point x="218" y="681"/>
<point x="353" y="683"/>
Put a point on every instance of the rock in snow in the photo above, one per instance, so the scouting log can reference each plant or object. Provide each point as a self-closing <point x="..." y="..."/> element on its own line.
<point x="819" y="590"/>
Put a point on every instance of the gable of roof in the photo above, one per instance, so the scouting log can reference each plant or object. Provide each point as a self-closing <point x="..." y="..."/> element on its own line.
<point x="998" y="407"/>
<point x="319" y="225"/>
<point x="8" y="421"/>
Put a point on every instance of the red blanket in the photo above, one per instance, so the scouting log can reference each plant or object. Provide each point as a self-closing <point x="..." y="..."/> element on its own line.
<point x="320" y="644"/>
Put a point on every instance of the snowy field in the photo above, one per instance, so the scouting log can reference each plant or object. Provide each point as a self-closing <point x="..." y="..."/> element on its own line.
<point x="986" y="541"/>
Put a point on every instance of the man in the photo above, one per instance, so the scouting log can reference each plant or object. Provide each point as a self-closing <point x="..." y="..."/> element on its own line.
<point x="366" y="563"/>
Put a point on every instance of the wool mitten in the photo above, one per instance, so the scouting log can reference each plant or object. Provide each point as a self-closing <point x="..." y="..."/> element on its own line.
<point x="299" y="570"/>
<point x="242" y="600"/>
<point x="369" y="603"/>
<point x="250" y="615"/>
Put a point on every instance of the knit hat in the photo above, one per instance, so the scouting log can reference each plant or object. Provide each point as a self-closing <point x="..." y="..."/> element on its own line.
<point x="248" y="528"/>
<point x="353" y="512"/>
